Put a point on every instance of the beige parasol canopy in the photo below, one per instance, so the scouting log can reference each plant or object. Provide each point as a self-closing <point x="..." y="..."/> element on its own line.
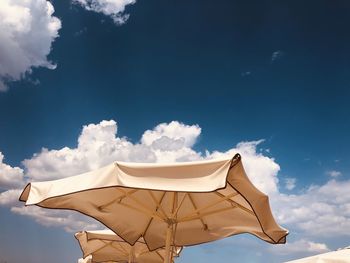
<point x="176" y="204"/>
<point x="339" y="256"/>
<point x="105" y="246"/>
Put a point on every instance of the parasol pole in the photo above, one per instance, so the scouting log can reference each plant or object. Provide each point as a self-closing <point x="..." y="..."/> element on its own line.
<point x="131" y="255"/>
<point x="169" y="234"/>
<point x="169" y="231"/>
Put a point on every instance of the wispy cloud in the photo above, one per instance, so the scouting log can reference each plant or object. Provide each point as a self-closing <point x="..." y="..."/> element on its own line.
<point x="80" y="32"/>
<point x="333" y="173"/>
<point x="277" y="55"/>
<point x="290" y="183"/>
<point x="246" y="73"/>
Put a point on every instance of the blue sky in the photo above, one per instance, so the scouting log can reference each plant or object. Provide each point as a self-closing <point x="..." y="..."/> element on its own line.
<point x="242" y="71"/>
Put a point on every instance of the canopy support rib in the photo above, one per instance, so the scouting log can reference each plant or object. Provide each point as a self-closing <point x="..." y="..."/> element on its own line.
<point x="160" y="255"/>
<point x="236" y="204"/>
<point x="106" y="244"/>
<point x="120" y="246"/>
<point x="143" y="207"/>
<point x="150" y="221"/>
<point x="144" y="211"/>
<point x="142" y="204"/>
<point x="118" y="199"/>
<point x="158" y="202"/>
<point x="195" y="217"/>
<point x="181" y="202"/>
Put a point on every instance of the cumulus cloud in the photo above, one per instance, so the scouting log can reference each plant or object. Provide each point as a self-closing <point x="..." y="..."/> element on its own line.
<point x="98" y="145"/>
<point x="318" y="211"/>
<point x="321" y="211"/>
<point x="10" y="197"/>
<point x="187" y="134"/>
<point x="10" y="177"/>
<point x="70" y="221"/>
<point x="27" y="30"/>
<point x="112" y="8"/>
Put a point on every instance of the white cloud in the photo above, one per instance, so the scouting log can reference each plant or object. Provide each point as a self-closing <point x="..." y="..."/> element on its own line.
<point x="27" y="30"/>
<point x="10" y="198"/>
<point x="10" y="177"/>
<point x="333" y="173"/>
<point x="321" y="211"/>
<point x="300" y="246"/>
<point x="98" y="145"/>
<point x="187" y="134"/>
<point x="171" y="142"/>
<point x="113" y="8"/>
<point x="290" y="183"/>
<point x="70" y="221"/>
